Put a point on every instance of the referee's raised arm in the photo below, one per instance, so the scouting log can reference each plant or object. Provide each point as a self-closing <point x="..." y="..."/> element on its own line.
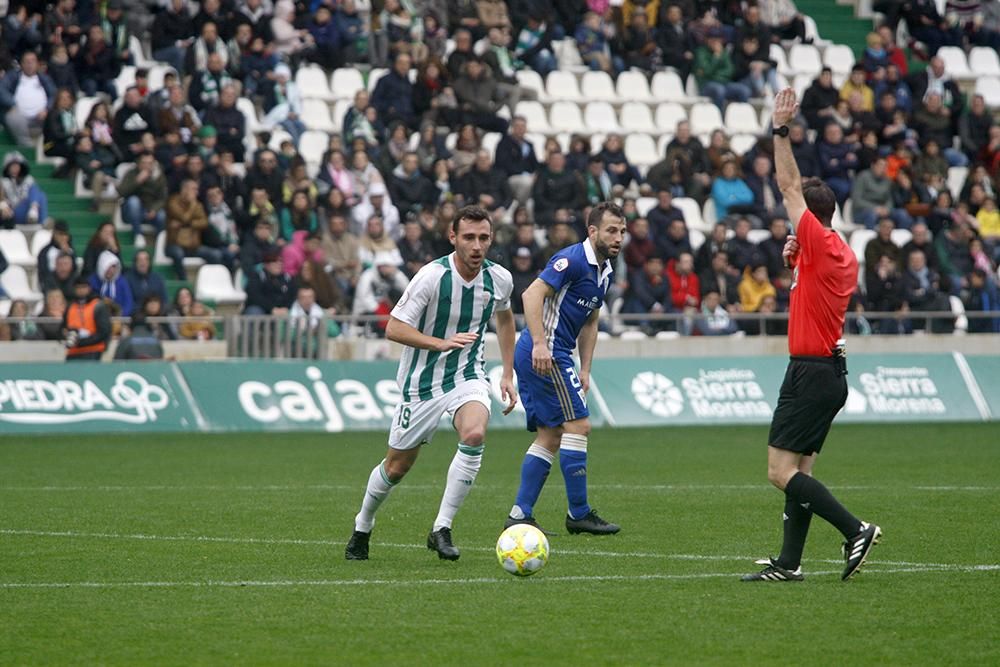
<point x="789" y="180"/>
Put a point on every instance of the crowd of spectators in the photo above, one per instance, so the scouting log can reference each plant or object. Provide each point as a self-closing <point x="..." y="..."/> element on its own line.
<point x="345" y="236"/>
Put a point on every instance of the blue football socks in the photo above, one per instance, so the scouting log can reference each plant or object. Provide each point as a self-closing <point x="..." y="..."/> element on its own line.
<point x="573" y="462"/>
<point x="534" y="471"/>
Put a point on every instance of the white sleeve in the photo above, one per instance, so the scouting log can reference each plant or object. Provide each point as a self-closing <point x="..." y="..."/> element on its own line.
<point x="504" y="287"/>
<point x="413" y="303"/>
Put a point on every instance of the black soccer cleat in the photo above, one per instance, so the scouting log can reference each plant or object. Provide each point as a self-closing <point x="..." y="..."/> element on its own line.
<point x="530" y="520"/>
<point x="357" y="546"/>
<point x="591" y="523"/>
<point x="773" y="572"/>
<point x="440" y="541"/>
<point x="857" y="548"/>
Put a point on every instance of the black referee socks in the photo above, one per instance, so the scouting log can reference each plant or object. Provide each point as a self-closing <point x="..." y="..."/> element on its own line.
<point x="796" y="527"/>
<point x="811" y="493"/>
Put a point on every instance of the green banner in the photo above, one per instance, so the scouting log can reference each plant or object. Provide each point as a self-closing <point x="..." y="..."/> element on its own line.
<point x="986" y="371"/>
<point x="336" y="396"/>
<point x="94" y="397"/>
<point x="731" y="390"/>
<point x="310" y="395"/>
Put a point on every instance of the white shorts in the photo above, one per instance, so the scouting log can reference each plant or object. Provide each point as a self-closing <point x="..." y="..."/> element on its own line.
<point x="414" y="423"/>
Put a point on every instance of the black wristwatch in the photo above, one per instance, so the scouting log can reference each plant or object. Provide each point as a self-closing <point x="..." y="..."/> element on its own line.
<point x="780" y="131"/>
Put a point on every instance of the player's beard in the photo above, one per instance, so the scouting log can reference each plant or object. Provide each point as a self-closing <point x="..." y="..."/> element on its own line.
<point x="605" y="250"/>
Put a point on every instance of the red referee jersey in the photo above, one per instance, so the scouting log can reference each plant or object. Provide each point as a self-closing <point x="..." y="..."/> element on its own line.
<point x="826" y="275"/>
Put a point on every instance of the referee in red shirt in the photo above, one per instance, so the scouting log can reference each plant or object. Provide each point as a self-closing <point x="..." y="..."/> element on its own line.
<point x="815" y="388"/>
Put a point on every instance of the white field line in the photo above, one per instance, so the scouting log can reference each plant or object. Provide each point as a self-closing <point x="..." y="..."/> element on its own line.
<point x="279" y="583"/>
<point x="489" y="487"/>
<point x="338" y="543"/>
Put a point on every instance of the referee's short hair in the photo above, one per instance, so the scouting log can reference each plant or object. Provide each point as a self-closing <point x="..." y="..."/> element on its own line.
<point x="820" y="200"/>
<point x="472" y="214"/>
<point x="597" y="213"/>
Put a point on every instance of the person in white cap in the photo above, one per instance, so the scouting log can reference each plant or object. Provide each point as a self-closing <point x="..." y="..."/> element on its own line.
<point x="283" y="103"/>
<point x="376" y="201"/>
<point x="440" y="320"/>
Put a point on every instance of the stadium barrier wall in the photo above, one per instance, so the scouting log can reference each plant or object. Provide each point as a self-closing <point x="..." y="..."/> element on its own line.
<point x="336" y="396"/>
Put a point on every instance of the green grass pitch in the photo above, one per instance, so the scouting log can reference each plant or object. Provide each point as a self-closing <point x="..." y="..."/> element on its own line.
<point x="229" y="550"/>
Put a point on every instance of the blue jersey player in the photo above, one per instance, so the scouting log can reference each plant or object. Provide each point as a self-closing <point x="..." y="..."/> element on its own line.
<point x="561" y="308"/>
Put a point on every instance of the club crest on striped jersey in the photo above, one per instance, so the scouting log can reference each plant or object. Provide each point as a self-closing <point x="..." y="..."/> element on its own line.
<point x="561" y="264"/>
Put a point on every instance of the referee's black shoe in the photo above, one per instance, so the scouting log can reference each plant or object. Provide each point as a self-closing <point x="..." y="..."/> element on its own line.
<point x="357" y="546"/>
<point x="857" y="548"/>
<point x="773" y="572"/>
<point x="530" y="520"/>
<point x="440" y="541"/>
<point x="591" y="523"/>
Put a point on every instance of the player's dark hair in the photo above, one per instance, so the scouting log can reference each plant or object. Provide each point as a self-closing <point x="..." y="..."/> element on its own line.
<point x="597" y="213"/>
<point x="472" y="214"/>
<point x="820" y="200"/>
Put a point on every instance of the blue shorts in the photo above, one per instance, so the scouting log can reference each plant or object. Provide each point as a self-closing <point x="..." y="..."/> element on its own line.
<point x="549" y="400"/>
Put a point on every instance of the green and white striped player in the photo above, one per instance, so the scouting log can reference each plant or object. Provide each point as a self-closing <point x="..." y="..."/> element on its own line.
<point x="441" y="319"/>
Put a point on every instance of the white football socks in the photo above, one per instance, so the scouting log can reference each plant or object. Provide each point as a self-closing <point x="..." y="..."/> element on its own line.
<point x="378" y="489"/>
<point x="461" y="474"/>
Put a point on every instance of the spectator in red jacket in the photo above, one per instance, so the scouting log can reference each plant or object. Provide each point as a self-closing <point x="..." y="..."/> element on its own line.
<point x="684" y="284"/>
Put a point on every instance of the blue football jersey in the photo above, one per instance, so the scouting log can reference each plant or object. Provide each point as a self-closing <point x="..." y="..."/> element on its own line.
<point x="580" y="285"/>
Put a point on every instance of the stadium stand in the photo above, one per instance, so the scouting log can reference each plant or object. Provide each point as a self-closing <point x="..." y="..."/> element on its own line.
<point x="277" y="142"/>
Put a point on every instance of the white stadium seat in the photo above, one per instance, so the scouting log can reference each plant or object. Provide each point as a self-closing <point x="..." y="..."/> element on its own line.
<point x="636" y="117"/>
<point x="157" y="73"/>
<point x="956" y="179"/>
<point x="989" y="88"/>
<point x="534" y="114"/>
<point x="839" y="58"/>
<point x="565" y="117"/>
<point x="708" y="213"/>
<point x="345" y="82"/>
<point x="39" y="240"/>
<point x="696" y="238"/>
<point x="249" y="112"/>
<point x="778" y="55"/>
<point x="643" y="205"/>
<point x="741" y="117"/>
<point x="537" y="141"/>
<point x="562" y="86"/>
<point x="374" y="75"/>
<point x="901" y="237"/>
<point x="316" y="116"/>
<point x="804" y="59"/>
<point x="600" y="117"/>
<point x="15" y="247"/>
<point x="125" y="79"/>
<point x="741" y="143"/>
<point x="532" y="80"/>
<point x="955" y="63"/>
<point x="568" y="55"/>
<point x="662" y="143"/>
<point x="668" y="87"/>
<point x="634" y="87"/>
<point x="215" y="284"/>
<point x="138" y="53"/>
<point x="668" y="115"/>
<point x="859" y="241"/>
<point x="598" y="87"/>
<point x="755" y="236"/>
<point x="160" y="254"/>
<point x="84" y="106"/>
<point x="640" y="149"/>
<point x="489" y="141"/>
<point x="312" y="83"/>
<point x="705" y="117"/>
<point x="692" y="212"/>
<point x="313" y="145"/>
<point x="15" y="283"/>
<point x="983" y="61"/>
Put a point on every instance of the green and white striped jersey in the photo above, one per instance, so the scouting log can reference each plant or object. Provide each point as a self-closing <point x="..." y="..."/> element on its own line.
<point x="439" y="303"/>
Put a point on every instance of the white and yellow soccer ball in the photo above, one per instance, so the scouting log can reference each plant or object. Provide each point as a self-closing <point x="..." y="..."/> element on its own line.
<point x="522" y="550"/>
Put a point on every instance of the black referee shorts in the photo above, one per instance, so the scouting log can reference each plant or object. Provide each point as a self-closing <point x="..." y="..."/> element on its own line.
<point x="812" y="394"/>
